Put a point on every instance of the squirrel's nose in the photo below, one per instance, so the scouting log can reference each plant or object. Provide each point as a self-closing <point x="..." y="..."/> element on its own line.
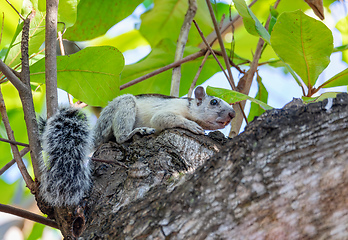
<point x="232" y="114"/>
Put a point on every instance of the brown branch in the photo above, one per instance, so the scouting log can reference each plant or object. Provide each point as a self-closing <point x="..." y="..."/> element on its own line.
<point x="15" y="10"/>
<point x="28" y="180"/>
<point x="165" y="68"/>
<point x="28" y="215"/>
<point x="193" y="84"/>
<point x="26" y="97"/>
<point x="12" y="77"/>
<point x="10" y="163"/>
<point x="14" y="142"/>
<point x="50" y="57"/>
<point x="180" y="46"/>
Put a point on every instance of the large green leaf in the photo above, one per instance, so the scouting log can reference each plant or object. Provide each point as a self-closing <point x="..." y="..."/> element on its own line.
<point x="91" y="75"/>
<point x="304" y="43"/>
<point x="94" y="18"/>
<point x="251" y="23"/>
<point x="231" y="96"/>
<point x="340" y="79"/>
<point x="166" y="18"/>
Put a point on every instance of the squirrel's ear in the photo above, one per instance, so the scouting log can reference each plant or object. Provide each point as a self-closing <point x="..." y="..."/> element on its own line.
<point x="199" y="94"/>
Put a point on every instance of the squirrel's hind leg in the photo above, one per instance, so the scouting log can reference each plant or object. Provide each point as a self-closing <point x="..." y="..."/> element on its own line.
<point x="124" y="120"/>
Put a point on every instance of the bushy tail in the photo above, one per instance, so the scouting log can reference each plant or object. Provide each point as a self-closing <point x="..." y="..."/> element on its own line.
<point x="65" y="168"/>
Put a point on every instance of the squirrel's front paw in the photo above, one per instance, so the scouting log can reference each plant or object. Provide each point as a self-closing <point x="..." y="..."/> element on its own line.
<point x="195" y="128"/>
<point x="146" y="130"/>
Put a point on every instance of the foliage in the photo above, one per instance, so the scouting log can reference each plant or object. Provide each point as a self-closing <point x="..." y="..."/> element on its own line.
<point x="295" y="42"/>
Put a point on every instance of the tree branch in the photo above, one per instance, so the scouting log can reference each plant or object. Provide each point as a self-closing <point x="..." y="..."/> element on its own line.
<point x="27" y="215"/>
<point x="193" y="84"/>
<point x="12" y="77"/>
<point x="26" y="97"/>
<point x="50" y="57"/>
<point x="180" y="47"/>
<point x="14" y="142"/>
<point x="28" y="180"/>
<point x="10" y="163"/>
<point x="165" y="68"/>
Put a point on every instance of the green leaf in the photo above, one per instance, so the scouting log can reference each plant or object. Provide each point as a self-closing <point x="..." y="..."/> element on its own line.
<point x="36" y="232"/>
<point x="94" y="18"/>
<point x="67" y="12"/>
<point x="320" y="98"/>
<point x="340" y="79"/>
<point x="164" y="21"/>
<point x="91" y="75"/>
<point x="231" y="96"/>
<point x="251" y="23"/>
<point x="262" y="95"/>
<point x="304" y="43"/>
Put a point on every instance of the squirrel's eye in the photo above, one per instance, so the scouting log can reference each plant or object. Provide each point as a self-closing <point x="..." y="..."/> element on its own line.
<point x="213" y="102"/>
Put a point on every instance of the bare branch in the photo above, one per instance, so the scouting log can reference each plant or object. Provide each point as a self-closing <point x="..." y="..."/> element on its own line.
<point x="28" y="180"/>
<point x="28" y="215"/>
<point x="26" y="97"/>
<point x="50" y="57"/>
<point x="165" y="68"/>
<point x="14" y="142"/>
<point x="193" y="84"/>
<point x="12" y="77"/>
<point x="10" y="163"/>
<point x="180" y="46"/>
<point x="15" y="10"/>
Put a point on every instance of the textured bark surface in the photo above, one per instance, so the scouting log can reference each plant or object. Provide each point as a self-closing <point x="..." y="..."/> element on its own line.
<point x="284" y="177"/>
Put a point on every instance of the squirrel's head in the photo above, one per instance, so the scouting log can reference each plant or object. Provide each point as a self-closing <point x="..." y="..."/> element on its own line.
<point x="212" y="112"/>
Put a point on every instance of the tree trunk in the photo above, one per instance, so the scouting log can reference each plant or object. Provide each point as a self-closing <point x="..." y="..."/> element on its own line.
<point x="284" y="177"/>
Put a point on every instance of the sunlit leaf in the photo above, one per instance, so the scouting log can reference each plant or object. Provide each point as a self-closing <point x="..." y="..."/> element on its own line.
<point x="304" y="43"/>
<point x="342" y="26"/>
<point x="231" y="96"/>
<point x="91" y="75"/>
<point x="321" y="97"/>
<point x="251" y="23"/>
<point x="94" y="18"/>
<point x="340" y="79"/>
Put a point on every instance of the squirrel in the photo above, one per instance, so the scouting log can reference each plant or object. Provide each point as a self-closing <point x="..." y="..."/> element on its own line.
<point x="127" y="115"/>
<point x="67" y="141"/>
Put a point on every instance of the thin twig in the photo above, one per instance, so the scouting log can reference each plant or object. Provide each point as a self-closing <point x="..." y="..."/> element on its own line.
<point x="10" y="163"/>
<point x="28" y="215"/>
<point x="193" y="84"/>
<point x="180" y="46"/>
<point x="50" y="57"/>
<point x="14" y="142"/>
<point x="12" y="77"/>
<point x="15" y="10"/>
<point x="110" y="162"/>
<point x="28" y="180"/>
<point x="165" y="68"/>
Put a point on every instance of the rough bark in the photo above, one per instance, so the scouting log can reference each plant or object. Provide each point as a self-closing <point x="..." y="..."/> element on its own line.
<point x="284" y="177"/>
